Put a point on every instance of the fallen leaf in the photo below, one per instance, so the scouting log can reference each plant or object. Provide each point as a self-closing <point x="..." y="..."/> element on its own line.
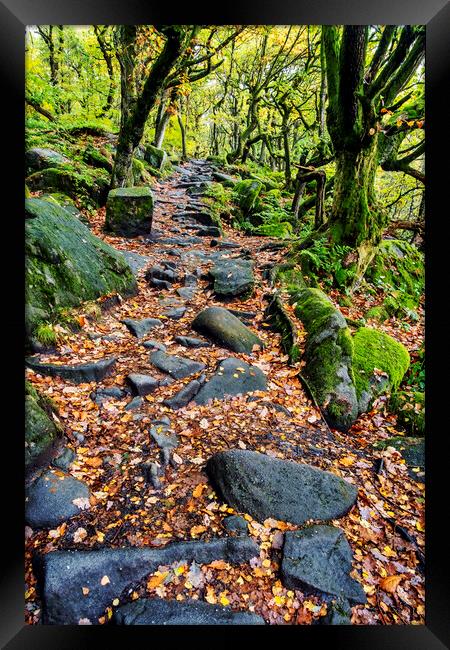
<point x="391" y="583"/>
<point x="105" y="581"/>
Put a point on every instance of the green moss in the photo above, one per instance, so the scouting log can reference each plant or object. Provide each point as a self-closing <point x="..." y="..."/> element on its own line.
<point x="87" y="186"/>
<point x="93" y="157"/>
<point x="41" y="430"/>
<point x="46" y="334"/>
<point x="377" y="350"/>
<point x="246" y="193"/>
<point x="410" y="410"/>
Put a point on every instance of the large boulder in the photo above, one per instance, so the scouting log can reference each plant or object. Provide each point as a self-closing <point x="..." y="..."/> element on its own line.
<point x="233" y="277"/>
<point x="77" y="373"/>
<point x="226" y="329"/>
<point x="53" y="498"/>
<point x="328" y="357"/>
<point x="42" y="434"/>
<point x="269" y="487"/>
<point x="66" y="264"/>
<point x="156" y="611"/>
<point x="37" y="159"/>
<point x="379" y="364"/>
<point x="320" y="558"/>
<point x="63" y="574"/>
<point x="232" y="377"/>
<point x="129" y="211"/>
<point x="87" y="185"/>
<point x="155" y="157"/>
<point x="248" y="192"/>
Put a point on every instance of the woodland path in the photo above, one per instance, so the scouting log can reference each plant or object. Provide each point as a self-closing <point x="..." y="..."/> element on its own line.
<point x="112" y="452"/>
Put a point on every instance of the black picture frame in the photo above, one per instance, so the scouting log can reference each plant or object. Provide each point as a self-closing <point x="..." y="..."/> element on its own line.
<point x="15" y="15"/>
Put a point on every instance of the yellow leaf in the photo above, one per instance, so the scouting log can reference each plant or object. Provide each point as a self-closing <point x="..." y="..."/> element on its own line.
<point x="389" y="552"/>
<point x="391" y="583"/>
<point x="196" y="530"/>
<point x="180" y="570"/>
<point x="420" y="527"/>
<point x="100" y="536"/>
<point x="346" y="461"/>
<point x="115" y="602"/>
<point x="223" y="599"/>
<point x="197" y="492"/>
<point x="210" y="596"/>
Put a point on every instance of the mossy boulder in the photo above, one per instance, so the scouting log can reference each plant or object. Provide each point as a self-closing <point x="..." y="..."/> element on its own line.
<point x="67" y="203"/>
<point x="155" y="157"/>
<point x="66" y="264"/>
<point x="85" y="185"/>
<point x="42" y="433"/>
<point x="93" y="157"/>
<point x="398" y="265"/>
<point x="328" y="356"/>
<point x="410" y="410"/>
<point x="247" y="193"/>
<point x="129" y="211"/>
<point x="37" y="159"/>
<point x="379" y="364"/>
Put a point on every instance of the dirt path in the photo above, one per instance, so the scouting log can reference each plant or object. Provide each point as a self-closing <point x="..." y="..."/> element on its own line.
<point x="112" y="443"/>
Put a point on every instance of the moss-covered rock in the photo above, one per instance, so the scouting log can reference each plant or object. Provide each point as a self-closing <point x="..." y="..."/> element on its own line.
<point x="37" y="159"/>
<point x="93" y="157"/>
<point x="129" y="211"/>
<point x="328" y="356"/>
<point x="247" y="193"/>
<point x="42" y="433"/>
<point x="68" y="204"/>
<point x="86" y="186"/>
<point x="155" y="157"/>
<point x="66" y="264"/>
<point x="410" y="410"/>
<point x="379" y="364"/>
<point x="398" y="265"/>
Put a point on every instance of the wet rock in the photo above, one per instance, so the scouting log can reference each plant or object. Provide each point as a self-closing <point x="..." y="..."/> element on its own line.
<point x="224" y="328"/>
<point x="184" y="396"/>
<point x="224" y="243"/>
<point x="209" y="231"/>
<point x="176" y="367"/>
<point x="233" y="277"/>
<point x="37" y="159"/>
<point x="158" y="272"/>
<point x="176" y="313"/>
<point x="338" y="613"/>
<point x="154" y="345"/>
<point x="320" y="558"/>
<point x="63" y="574"/>
<point x="77" y="373"/>
<point x="191" y="342"/>
<point x="102" y="394"/>
<point x="269" y="487"/>
<point x="236" y="524"/>
<point x="134" y="404"/>
<point x="141" y="327"/>
<point x="232" y="377"/>
<point x="42" y="434"/>
<point x="142" y="384"/>
<point x="65" y="459"/>
<point x="187" y="293"/>
<point x="159" y="284"/>
<point x="156" y="611"/>
<point x="49" y="500"/>
<point x="135" y="261"/>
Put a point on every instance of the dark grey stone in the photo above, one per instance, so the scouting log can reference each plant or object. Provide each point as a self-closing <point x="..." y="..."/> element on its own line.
<point x="190" y="342"/>
<point x="236" y="524"/>
<point x="269" y="487"/>
<point x="154" y="345"/>
<point x="224" y="243"/>
<point x="162" y="434"/>
<point x="339" y="613"/>
<point x="320" y="558"/>
<point x="134" y="404"/>
<point x="243" y="315"/>
<point x="232" y="377"/>
<point x="209" y="231"/>
<point x="37" y="159"/>
<point x="184" y="396"/>
<point x="77" y="373"/>
<point x="187" y="293"/>
<point x="142" y="384"/>
<point x="63" y="574"/>
<point x="49" y="500"/>
<point x="156" y="611"/>
<point x="141" y="327"/>
<point x="102" y="394"/>
<point x="233" y="277"/>
<point x="65" y="459"/>
<point x="223" y="327"/>
<point x="176" y="313"/>
<point x="159" y="273"/>
<point x="135" y="261"/>
<point x="159" y="284"/>
<point x="176" y="367"/>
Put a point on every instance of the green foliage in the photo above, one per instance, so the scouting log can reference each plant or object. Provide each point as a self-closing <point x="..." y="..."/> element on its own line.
<point x="410" y="410"/>
<point x="46" y="334"/>
<point x="323" y="262"/>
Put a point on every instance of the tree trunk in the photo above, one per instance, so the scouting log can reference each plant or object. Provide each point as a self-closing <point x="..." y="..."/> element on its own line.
<point x="183" y="135"/>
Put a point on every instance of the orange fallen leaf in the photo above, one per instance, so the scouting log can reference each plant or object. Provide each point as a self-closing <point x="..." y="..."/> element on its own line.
<point x="156" y="580"/>
<point x="93" y="462"/>
<point x="196" y="530"/>
<point x="391" y="583"/>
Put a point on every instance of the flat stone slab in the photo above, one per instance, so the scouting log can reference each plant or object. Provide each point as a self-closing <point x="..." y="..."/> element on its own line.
<point x="233" y="277"/>
<point x="135" y="261"/>
<point x="176" y="313"/>
<point x="162" y="434"/>
<point x="184" y="396"/>
<point x="49" y="500"/>
<point x="141" y="327"/>
<point x="226" y="329"/>
<point x="232" y="377"/>
<point x="320" y="558"/>
<point x="269" y="487"/>
<point x="154" y="345"/>
<point x="79" y="373"/>
<point x="63" y="574"/>
<point x="176" y="367"/>
<point x="191" y="342"/>
<point x="156" y="611"/>
<point x="142" y="384"/>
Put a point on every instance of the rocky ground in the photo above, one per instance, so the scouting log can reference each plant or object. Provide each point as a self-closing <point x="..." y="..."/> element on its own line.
<point x="141" y="519"/>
